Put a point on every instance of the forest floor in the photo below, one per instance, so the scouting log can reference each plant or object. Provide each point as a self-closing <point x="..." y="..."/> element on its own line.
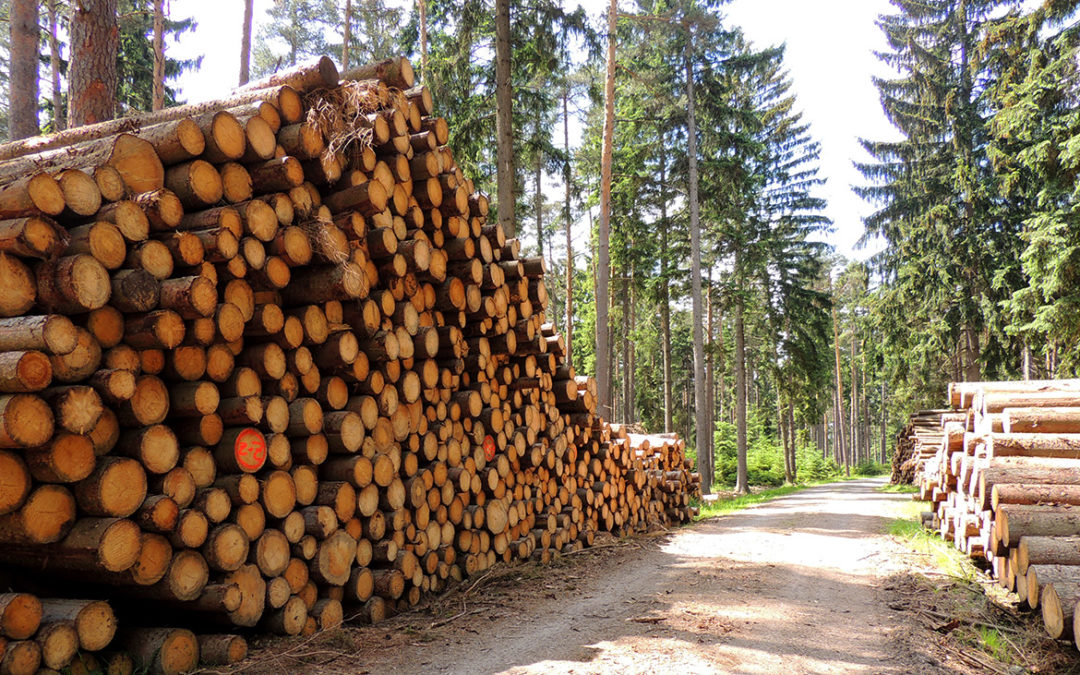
<point x="808" y="583"/>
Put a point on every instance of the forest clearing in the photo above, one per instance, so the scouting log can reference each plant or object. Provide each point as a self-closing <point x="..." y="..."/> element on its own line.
<point x="360" y="364"/>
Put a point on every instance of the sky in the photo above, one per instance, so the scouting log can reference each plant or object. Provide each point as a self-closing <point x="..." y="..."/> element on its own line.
<point x="830" y="49"/>
<point x="830" y="54"/>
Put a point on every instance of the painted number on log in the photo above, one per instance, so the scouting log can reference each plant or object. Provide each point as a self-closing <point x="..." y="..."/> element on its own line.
<point x="489" y="448"/>
<point x="250" y="450"/>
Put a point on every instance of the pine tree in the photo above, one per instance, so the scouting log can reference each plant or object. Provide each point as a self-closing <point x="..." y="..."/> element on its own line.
<point x="245" y="43"/>
<point x="136" y="59"/>
<point x="25" y="43"/>
<point x="945" y="263"/>
<point x="1034" y="131"/>
<point x="373" y="31"/>
<point x="294" y="31"/>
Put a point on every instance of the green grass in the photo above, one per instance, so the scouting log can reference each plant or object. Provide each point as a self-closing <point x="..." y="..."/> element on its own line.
<point x="944" y="555"/>
<point x="994" y="644"/>
<point x="730" y="504"/>
<point x="899" y="489"/>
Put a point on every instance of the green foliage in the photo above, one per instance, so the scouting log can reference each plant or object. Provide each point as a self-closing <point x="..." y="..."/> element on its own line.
<point x="1035" y="149"/>
<point x="135" y="60"/>
<point x="729" y="505"/>
<point x="869" y="468"/>
<point x="765" y="459"/>
<point x="951" y="246"/>
<point x="295" y="30"/>
<point x="461" y="76"/>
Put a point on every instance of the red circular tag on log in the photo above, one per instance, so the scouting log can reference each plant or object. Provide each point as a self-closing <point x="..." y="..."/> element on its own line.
<point x="489" y="448"/>
<point x="250" y="450"/>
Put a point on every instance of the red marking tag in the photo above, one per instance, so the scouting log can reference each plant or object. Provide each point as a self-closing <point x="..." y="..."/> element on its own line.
<point x="489" y="448"/>
<point x="250" y="450"/>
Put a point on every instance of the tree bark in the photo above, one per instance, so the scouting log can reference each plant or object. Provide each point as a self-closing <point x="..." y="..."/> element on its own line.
<point x="422" y="4"/>
<point x="741" y="485"/>
<point x="701" y="411"/>
<point x="159" y="55"/>
<point x="346" y="39"/>
<point x="853" y="413"/>
<point x="710" y="381"/>
<point x="603" y="258"/>
<point x="538" y="198"/>
<point x="665" y="302"/>
<point x="245" y="44"/>
<point x="791" y="431"/>
<point x="839" y="422"/>
<point x="92" y="79"/>
<point x="504" y="126"/>
<point x="632" y="348"/>
<point x="568" y="328"/>
<point x="23" y="97"/>
<point x="883" y="439"/>
<point x="59" y="119"/>
<point x="624" y="301"/>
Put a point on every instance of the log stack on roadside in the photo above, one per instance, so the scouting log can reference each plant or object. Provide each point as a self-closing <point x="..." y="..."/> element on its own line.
<point x="265" y="363"/>
<point x="916" y="443"/>
<point x="1005" y="488"/>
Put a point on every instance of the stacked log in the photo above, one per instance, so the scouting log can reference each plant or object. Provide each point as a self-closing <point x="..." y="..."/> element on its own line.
<point x="916" y="443"/>
<point x="1004" y="484"/>
<point x="264" y="361"/>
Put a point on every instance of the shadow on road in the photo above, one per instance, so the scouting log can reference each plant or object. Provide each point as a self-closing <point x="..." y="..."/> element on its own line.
<point x="787" y="586"/>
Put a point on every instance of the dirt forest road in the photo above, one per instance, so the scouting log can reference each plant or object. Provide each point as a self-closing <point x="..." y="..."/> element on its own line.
<point x="789" y="586"/>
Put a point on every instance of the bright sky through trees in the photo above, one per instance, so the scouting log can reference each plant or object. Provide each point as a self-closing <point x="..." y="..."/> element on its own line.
<point x="830" y="55"/>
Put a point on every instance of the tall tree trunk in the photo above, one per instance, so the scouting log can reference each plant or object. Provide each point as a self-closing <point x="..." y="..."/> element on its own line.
<point x="791" y="436"/>
<point x="346" y="37"/>
<point x="841" y="441"/>
<point x="972" y="370"/>
<point x="782" y="427"/>
<point x="568" y="329"/>
<point x="864" y="414"/>
<point x="59" y="119"/>
<point x="883" y="420"/>
<point x="611" y="352"/>
<point x="504" y="126"/>
<point x="836" y="429"/>
<point x="824" y="434"/>
<point x="159" y="56"/>
<point x="294" y="39"/>
<point x="245" y="44"/>
<point x="710" y="381"/>
<point x="665" y="303"/>
<point x="1027" y="359"/>
<point x="625" y="304"/>
<point x="423" y="39"/>
<point x="701" y="412"/>
<point x="741" y="485"/>
<point x="603" y="258"/>
<point x="23" y="96"/>
<point x="631" y="371"/>
<point x="854" y="412"/>
<point x="92" y="79"/>
<point x="538" y="198"/>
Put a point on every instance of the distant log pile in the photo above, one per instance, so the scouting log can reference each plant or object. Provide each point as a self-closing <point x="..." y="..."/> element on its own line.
<point x="265" y="364"/>
<point x="1004" y="483"/>
<point x="916" y="443"/>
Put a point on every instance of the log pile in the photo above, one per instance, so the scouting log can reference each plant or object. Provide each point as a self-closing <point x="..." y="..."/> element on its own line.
<point x="916" y="443"/>
<point x="1004" y="484"/>
<point x="264" y="362"/>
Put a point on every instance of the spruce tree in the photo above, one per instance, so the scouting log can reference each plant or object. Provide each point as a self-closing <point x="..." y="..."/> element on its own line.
<point x="945" y="238"/>
<point x="1034" y="135"/>
<point x="135" y="59"/>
